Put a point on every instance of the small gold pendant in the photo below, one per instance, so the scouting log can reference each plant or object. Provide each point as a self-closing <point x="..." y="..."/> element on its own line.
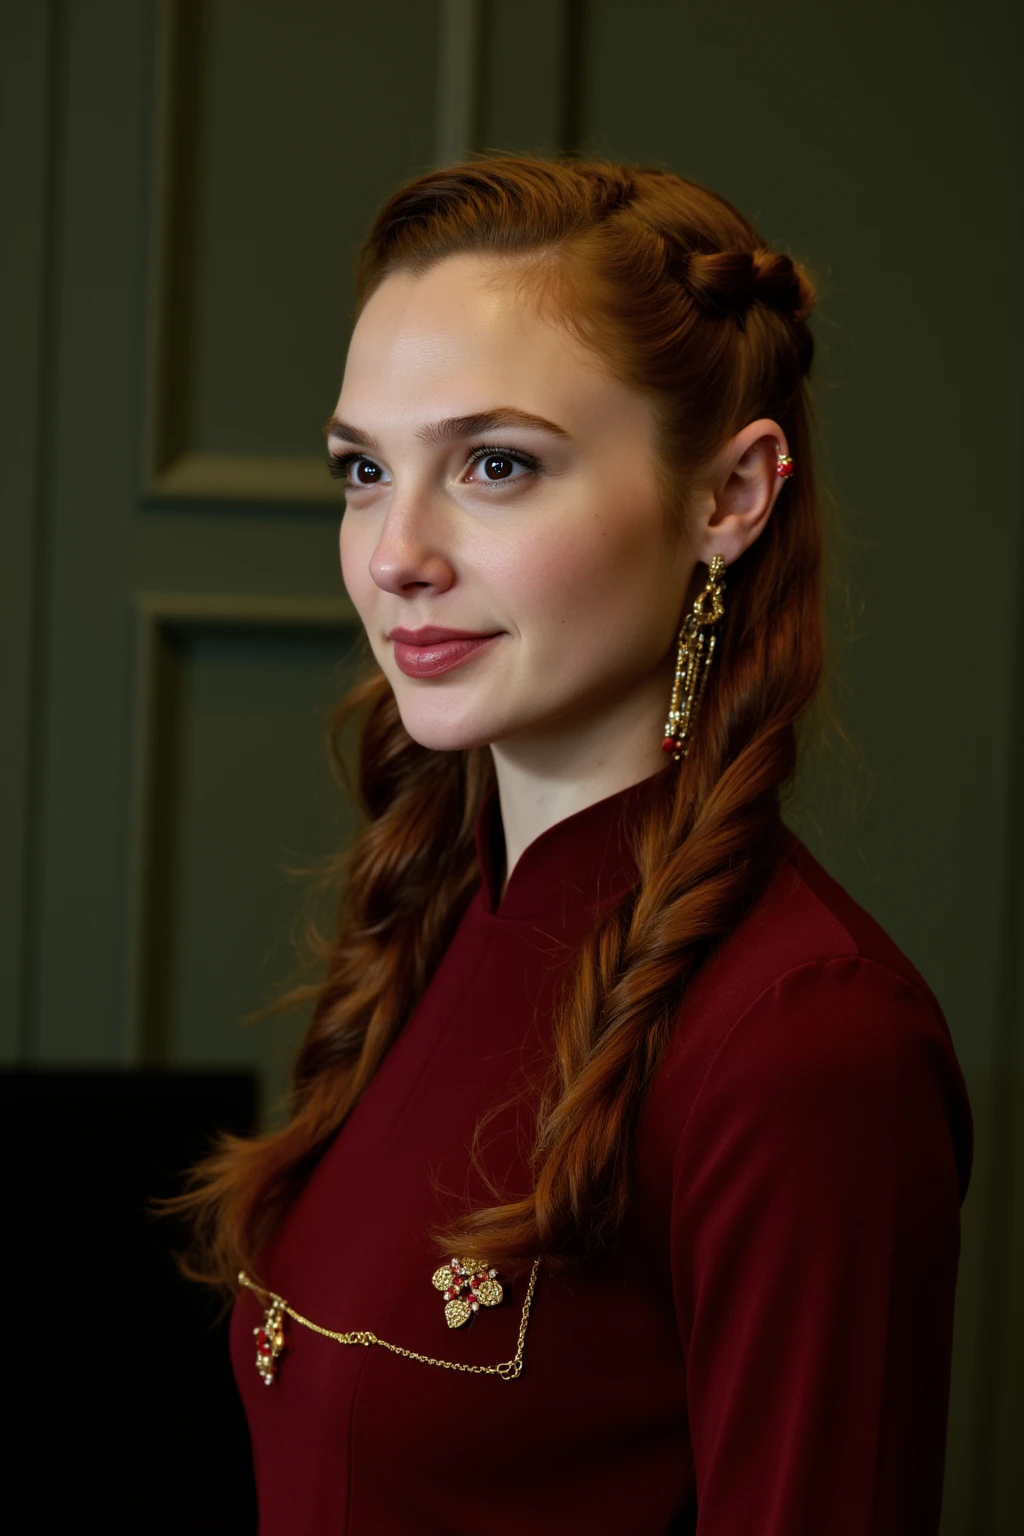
<point x="270" y="1340"/>
<point x="468" y="1285"/>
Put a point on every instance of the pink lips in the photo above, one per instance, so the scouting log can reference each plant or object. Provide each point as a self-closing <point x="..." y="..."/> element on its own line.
<point x="429" y="651"/>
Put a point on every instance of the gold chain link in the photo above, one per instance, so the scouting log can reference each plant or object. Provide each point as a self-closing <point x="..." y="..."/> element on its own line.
<point x="508" y="1370"/>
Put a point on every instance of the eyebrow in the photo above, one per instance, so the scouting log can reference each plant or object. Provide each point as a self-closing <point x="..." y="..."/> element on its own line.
<point x="452" y="428"/>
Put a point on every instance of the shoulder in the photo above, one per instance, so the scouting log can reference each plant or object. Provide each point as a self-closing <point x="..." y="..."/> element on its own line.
<point x="805" y="919"/>
<point x="808" y="1023"/>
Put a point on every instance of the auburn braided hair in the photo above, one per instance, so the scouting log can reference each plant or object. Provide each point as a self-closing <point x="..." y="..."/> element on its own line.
<point x="678" y="294"/>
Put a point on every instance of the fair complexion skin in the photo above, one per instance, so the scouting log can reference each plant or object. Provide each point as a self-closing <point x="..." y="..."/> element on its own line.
<point x="567" y="561"/>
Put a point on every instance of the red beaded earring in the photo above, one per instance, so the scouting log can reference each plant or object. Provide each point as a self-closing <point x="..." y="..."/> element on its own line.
<point x="784" y="465"/>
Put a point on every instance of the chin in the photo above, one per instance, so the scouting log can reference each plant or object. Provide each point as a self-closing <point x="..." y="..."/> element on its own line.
<point x="440" y="735"/>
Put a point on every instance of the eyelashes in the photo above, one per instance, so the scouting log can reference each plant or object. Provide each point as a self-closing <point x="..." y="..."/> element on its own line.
<point x="338" y="464"/>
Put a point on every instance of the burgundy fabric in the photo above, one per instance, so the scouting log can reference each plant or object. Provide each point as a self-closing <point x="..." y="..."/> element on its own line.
<point x="769" y="1349"/>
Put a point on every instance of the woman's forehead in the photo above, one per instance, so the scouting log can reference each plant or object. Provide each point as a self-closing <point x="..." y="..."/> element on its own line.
<point x="451" y="342"/>
<point x="456" y="314"/>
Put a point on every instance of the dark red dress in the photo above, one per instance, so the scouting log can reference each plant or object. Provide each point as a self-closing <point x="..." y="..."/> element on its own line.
<point x="768" y="1352"/>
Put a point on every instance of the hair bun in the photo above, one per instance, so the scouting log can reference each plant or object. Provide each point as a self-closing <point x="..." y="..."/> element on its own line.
<point x="727" y="282"/>
<point x="779" y="284"/>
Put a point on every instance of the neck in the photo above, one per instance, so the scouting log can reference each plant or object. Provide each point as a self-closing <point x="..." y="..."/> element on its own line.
<point x="541" y="781"/>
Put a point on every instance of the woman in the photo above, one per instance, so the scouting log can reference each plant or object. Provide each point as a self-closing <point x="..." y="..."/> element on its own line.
<point x="621" y="1185"/>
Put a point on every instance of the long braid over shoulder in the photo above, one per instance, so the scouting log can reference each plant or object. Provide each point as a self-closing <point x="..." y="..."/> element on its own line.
<point x="676" y="292"/>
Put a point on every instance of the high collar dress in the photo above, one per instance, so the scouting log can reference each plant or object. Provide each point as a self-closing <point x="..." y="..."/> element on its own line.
<point x="766" y="1352"/>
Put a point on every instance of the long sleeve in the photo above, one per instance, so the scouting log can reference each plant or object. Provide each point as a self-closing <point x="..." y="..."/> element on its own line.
<point x="815" y="1240"/>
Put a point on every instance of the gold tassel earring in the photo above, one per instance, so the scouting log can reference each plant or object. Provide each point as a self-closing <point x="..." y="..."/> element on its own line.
<point x="696" y="647"/>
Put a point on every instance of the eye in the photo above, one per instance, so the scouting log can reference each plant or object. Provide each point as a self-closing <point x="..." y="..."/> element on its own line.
<point x="339" y="465"/>
<point x="488" y="457"/>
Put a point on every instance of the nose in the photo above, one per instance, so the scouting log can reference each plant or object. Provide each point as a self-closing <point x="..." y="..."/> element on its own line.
<point x="411" y="553"/>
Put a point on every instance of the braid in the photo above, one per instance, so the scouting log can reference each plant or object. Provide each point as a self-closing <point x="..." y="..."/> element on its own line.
<point x="628" y="975"/>
<point x="611" y="193"/>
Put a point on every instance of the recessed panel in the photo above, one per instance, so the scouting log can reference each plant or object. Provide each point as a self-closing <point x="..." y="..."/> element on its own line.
<point x="244" y="793"/>
<point x="307" y="115"/>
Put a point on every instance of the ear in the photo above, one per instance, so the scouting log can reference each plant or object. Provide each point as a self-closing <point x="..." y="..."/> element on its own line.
<point x="738" y="492"/>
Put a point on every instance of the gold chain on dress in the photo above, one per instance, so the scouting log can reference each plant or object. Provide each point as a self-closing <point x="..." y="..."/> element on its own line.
<point x="272" y="1341"/>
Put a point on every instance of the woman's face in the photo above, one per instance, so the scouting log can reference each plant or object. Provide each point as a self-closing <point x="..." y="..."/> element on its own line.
<point x="540" y="528"/>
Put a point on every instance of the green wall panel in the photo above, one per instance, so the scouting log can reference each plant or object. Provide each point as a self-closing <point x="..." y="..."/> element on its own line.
<point x="243" y="793"/>
<point x="291" y="99"/>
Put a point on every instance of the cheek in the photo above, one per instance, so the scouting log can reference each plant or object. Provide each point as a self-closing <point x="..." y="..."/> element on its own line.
<point x="598" y="585"/>
<point x="355" y="565"/>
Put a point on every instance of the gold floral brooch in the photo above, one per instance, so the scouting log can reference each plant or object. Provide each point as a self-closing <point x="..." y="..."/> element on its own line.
<point x="468" y="1285"/>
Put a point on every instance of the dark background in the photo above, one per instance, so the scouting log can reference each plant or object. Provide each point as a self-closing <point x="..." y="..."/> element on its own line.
<point x="183" y="189"/>
<point x="122" y="1414"/>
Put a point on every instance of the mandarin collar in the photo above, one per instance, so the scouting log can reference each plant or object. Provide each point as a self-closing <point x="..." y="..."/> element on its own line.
<point x="581" y="861"/>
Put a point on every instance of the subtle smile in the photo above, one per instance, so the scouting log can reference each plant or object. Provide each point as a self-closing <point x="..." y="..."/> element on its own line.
<point x="428" y="652"/>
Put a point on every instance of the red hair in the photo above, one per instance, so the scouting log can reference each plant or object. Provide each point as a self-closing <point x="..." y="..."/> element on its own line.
<point x="683" y="301"/>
